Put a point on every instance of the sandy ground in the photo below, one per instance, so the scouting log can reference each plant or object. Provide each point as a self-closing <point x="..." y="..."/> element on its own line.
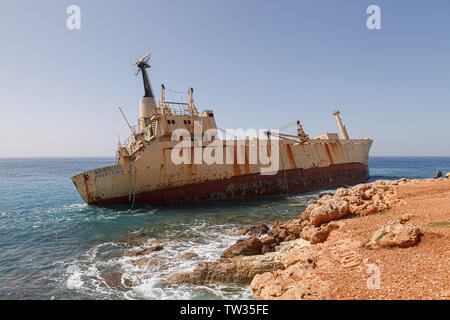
<point x="419" y="272"/>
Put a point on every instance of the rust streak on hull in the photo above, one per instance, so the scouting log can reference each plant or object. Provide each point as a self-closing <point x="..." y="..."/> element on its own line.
<point x="290" y="156"/>
<point x="327" y="149"/>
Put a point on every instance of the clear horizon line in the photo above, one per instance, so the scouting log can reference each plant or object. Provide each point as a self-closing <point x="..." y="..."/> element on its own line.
<point x="66" y="157"/>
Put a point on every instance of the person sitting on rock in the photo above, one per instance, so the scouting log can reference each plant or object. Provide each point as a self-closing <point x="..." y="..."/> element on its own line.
<point x="438" y="174"/>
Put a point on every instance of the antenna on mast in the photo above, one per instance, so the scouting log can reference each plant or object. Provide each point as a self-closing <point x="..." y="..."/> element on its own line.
<point x="142" y="64"/>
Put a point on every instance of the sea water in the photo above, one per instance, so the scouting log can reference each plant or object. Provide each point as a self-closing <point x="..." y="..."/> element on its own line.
<point x="55" y="246"/>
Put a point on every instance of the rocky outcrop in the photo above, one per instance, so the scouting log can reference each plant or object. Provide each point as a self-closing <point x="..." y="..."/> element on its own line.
<point x="369" y="198"/>
<point x="236" y="270"/>
<point x="318" y="234"/>
<point x="244" y="247"/>
<point x="330" y="210"/>
<point x="287" y="230"/>
<point x="239" y="269"/>
<point x="297" y="282"/>
<point x="395" y="234"/>
<point x="280" y="265"/>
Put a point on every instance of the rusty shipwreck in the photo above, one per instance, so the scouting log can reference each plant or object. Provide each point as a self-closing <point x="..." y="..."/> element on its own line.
<point x="145" y="172"/>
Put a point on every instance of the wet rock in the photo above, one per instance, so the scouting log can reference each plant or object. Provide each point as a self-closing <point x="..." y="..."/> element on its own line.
<point x="255" y="231"/>
<point x="143" y="252"/>
<point x="114" y="280"/>
<point x="243" y="247"/>
<point x="146" y="262"/>
<point x="152" y="242"/>
<point x="395" y="234"/>
<point x="136" y="239"/>
<point x="140" y="239"/>
<point x="332" y="209"/>
<point x="318" y="234"/>
<point x="188" y="255"/>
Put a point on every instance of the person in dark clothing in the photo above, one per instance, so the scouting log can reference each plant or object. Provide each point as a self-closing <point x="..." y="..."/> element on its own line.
<point x="438" y="174"/>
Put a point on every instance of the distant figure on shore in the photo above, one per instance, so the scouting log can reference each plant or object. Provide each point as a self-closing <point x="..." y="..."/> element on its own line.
<point x="438" y="174"/>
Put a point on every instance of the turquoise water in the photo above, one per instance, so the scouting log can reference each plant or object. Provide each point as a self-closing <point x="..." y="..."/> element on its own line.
<point x="54" y="246"/>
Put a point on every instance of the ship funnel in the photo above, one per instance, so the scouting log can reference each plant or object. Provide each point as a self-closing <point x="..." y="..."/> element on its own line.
<point x="342" y="129"/>
<point x="147" y="103"/>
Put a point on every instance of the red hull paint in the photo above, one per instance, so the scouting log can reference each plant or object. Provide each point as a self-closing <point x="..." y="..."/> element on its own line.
<point x="249" y="186"/>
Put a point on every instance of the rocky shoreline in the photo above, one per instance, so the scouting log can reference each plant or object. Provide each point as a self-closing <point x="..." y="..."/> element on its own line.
<point x="325" y="252"/>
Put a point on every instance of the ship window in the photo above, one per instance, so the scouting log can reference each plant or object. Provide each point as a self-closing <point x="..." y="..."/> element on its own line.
<point x="173" y="121"/>
<point x="185" y="122"/>
<point x="210" y="115"/>
<point x="168" y="121"/>
<point x="189" y="121"/>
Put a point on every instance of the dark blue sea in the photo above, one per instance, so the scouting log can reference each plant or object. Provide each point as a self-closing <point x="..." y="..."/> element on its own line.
<point x="54" y="246"/>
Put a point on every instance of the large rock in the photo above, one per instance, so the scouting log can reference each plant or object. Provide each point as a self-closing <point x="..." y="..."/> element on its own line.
<point x="298" y="281"/>
<point x="244" y="247"/>
<point x="318" y="234"/>
<point x="359" y="189"/>
<point x="395" y="234"/>
<point x="239" y="269"/>
<point x="287" y="231"/>
<point x="331" y="210"/>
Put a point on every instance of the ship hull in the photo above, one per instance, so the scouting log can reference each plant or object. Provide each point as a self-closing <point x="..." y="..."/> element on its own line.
<point x="154" y="178"/>
<point x="254" y="185"/>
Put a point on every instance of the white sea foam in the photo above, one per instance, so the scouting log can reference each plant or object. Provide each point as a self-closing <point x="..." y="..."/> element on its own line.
<point x="74" y="277"/>
<point x="207" y="241"/>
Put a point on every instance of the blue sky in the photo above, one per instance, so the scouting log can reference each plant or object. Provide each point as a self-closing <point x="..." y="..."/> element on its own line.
<point x="258" y="64"/>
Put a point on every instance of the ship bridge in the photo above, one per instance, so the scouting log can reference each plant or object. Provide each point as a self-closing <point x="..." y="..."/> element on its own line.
<point x="158" y="121"/>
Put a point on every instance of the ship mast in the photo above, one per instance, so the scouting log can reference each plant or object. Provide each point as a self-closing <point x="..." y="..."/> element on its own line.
<point x="342" y="128"/>
<point x="147" y="103"/>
